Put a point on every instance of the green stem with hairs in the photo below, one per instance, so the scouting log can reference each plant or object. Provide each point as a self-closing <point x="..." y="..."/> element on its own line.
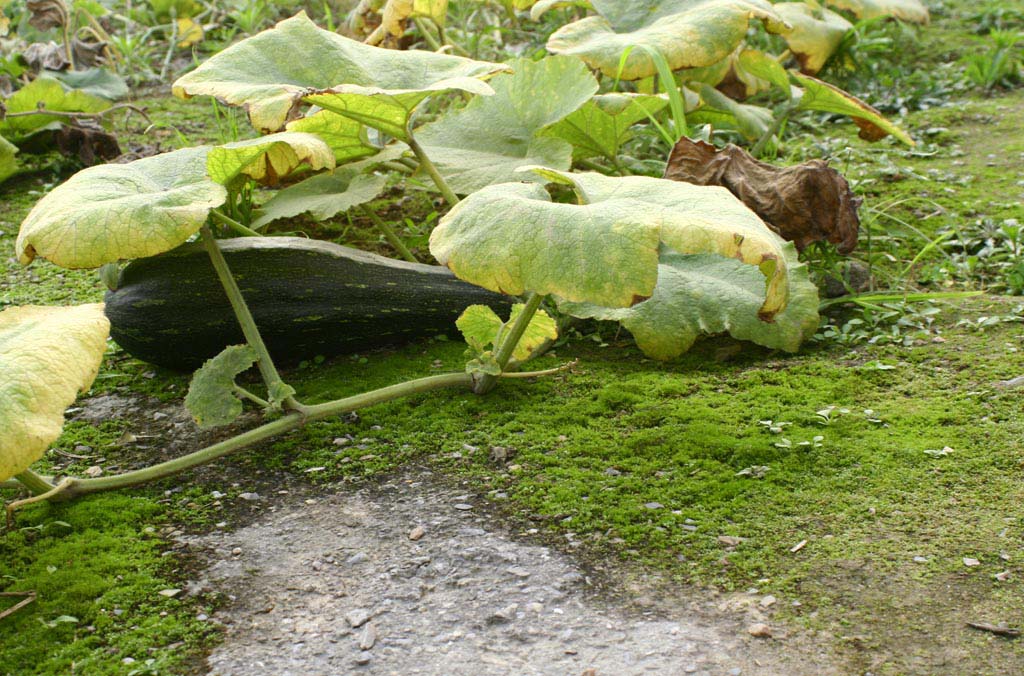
<point x="233" y="224"/>
<point x="269" y="372"/>
<point x="395" y="241"/>
<point x="421" y="155"/>
<point x="34" y="482"/>
<point x="73" y="488"/>
<point x="509" y="340"/>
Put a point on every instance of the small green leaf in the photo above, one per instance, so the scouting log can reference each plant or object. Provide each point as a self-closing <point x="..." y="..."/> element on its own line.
<point x="47" y="356"/>
<point x="346" y="138"/>
<point x="322" y="196"/>
<point x="765" y="67"/>
<point x="211" y="397"/>
<point x="484" y="365"/>
<point x="99" y="82"/>
<point x="718" y="109"/>
<point x="268" y="159"/>
<point x="278" y="392"/>
<point x="121" y="211"/>
<point x="479" y="326"/>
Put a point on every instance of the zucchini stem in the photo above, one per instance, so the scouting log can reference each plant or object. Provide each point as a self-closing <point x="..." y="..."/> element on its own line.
<point x="392" y="237"/>
<point x="421" y="155"/>
<point x="34" y="482"/>
<point x="73" y="488"/>
<point x="271" y="378"/>
<point x="509" y="340"/>
<point x="233" y="224"/>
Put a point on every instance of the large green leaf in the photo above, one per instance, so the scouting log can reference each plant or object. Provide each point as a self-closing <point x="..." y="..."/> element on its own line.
<point x="8" y="161"/>
<point x="322" y="196"/>
<point x="346" y="137"/>
<point x="701" y="295"/>
<point x="689" y="33"/>
<point x="485" y="142"/>
<point x="602" y="124"/>
<point x="121" y="211"/>
<point x="512" y="238"/>
<point x="47" y="356"/>
<point x="822" y="96"/>
<point x="50" y="94"/>
<point x="212" y="399"/>
<point x="99" y="82"/>
<point x="267" y="159"/>
<point x="816" y="33"/>
<point x="274" y="72"/>
<point x="913" y="11"/>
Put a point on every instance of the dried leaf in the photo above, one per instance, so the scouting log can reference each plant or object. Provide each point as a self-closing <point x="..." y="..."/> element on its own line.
<point x="805" y="203"/>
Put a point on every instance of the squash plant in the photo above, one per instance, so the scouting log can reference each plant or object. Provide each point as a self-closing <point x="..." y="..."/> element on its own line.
<point x="670" y="260"/>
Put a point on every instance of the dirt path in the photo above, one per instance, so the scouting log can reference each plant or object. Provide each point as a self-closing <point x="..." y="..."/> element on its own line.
<point x="336" y="584"/>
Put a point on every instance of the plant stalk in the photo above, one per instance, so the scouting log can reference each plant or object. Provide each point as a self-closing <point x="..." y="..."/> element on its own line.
<point x="421" y="155"/>
<point x="503" y="353"/>
<point x="233" y="224"/>
<point x="392" y="237"/>
<point x="78" y="487"/>
<point x="34" y="482"/>
<point x="249" y="329"/>
<point x="780" y="120"/>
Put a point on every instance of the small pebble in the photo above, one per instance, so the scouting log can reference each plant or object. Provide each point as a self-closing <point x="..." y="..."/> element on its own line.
<point x="416" y="533"/>
<point x="760" y="630"/>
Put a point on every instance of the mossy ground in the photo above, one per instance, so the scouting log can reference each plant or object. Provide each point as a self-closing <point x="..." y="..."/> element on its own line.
<point x="631" y="460"/>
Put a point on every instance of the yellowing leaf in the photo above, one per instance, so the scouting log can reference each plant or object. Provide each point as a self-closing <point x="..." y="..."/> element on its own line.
<point x="116" y="212"/>
<point x="274" y="72"/>
<point x="913" y="11"/>
<point x="189" y="32"/>
<point x="482" y="328"/>
<point x="47" y="356"/>
<point x="511" y="238"/>
<point x="815" y="35"/>
<point x="688" y="33"/>
<point x="8" y="161"/>
<point x="346" y="137"/>
<point x="395" y="15"/>
<point x="267" y="159"/>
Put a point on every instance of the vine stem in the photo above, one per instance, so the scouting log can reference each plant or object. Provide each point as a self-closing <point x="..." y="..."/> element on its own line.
<point x="233" y="224"/>
<point x="421" y="155"/>
<point x="271" y="377"/>
<point x="73" y="488"/>
<point x="390" y="234"/>
<point x="780" y="120"/>
<point x="509" y="341"/>
<point x="34" y="482"/>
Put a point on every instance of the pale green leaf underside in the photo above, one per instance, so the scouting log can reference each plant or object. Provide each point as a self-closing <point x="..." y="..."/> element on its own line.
<point x="601" y="125"/>
<point x="322" y="196"/>
<point x="117" y="212"/>
<point x="813" y="39"/>
<point x="485" y="142"/>
<point x="706" y="295"/>
<point x="211" y="397"/>
<point x="688" y="33"/>
<point x="51" y="94"/>
<point x="47" y="356"/>
<point x="906" y="10"/>
<point x="268" y="158"/>
<point x="511" y="238"/>
<point x="273" y="72"/>
<point x="8" y="161"/>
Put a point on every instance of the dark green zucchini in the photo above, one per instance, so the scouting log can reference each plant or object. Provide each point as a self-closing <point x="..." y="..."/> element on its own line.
<point x="308" y="298"/>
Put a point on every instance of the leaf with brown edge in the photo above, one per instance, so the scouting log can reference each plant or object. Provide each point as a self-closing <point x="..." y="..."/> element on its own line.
<point x="815" y="34"/>
<point x="827" y="98"/>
